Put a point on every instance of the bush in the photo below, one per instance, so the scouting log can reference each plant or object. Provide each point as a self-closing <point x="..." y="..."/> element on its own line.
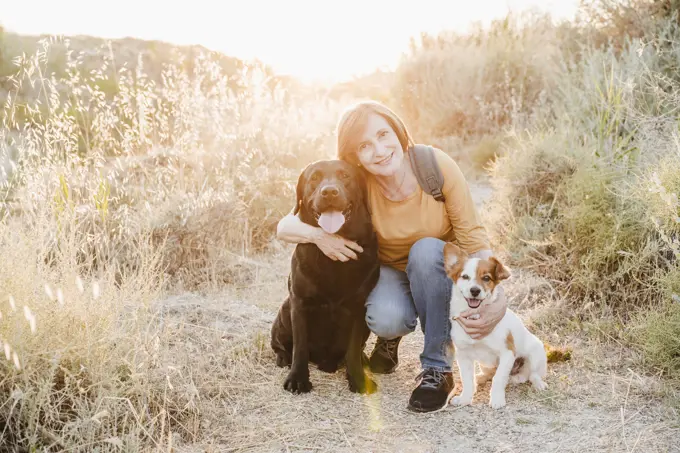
<point x="564" y="213"/>
<point x="568" y="203"/>
<point x="656" y="330"/>
<point x="476" y="85"/>
<point x="591" y="203"/>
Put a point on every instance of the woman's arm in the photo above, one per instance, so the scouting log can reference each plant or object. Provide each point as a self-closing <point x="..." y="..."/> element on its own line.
<point x="466" y="223"/>
<point x="293" y="230"/>
<point x="472" y="238"/>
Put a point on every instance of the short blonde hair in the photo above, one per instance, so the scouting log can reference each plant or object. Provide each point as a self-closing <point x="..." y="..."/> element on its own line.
<point x="353" y="121"/>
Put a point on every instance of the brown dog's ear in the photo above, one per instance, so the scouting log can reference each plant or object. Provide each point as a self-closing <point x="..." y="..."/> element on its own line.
<point x="299" y="191"/>
<point x="454" y="259"/>
<point x="500" y="271"/>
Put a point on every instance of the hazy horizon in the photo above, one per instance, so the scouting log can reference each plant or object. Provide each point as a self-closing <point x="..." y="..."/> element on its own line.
<point x="301" y="38"/>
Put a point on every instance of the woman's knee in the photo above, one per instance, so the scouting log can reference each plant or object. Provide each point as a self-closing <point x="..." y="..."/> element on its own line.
<point x="390" y="321"/>
<point x="426" y="256"/>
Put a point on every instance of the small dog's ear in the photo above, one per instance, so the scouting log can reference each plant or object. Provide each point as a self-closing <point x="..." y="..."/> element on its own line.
<point x="501" y="272"/>
<point x="454" y="258"/>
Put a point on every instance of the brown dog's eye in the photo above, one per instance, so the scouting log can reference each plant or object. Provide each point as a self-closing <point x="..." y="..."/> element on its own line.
<point x="343" y="174"/>
<point x="314" y="177"/>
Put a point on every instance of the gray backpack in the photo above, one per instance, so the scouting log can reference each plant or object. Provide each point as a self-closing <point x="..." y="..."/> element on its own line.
<point x="427" y="170"/>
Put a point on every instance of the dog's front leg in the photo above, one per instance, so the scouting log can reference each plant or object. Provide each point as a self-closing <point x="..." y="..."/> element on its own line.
<point x="500" y="379"/>
<point x="297" y="380"/>
<point x="359" y="382"/>
<point x="466" y="367"/>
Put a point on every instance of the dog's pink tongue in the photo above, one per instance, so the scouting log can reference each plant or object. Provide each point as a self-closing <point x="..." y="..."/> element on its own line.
<point x="331" y="221"/>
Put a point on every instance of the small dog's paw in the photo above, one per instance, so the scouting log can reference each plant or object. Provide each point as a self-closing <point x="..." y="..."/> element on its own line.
<point x="497" y="401"/>
<point x="461" y="401"/>
<point x="366" y="386"/>
<point x="517" y="379"/>
<point x="539" y="384"/>
<point x="297" y="384"/>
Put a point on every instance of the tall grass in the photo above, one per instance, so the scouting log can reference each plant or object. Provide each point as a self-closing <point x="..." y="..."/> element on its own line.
<point x="587" y="201"/>
<point x="110" y="200"/>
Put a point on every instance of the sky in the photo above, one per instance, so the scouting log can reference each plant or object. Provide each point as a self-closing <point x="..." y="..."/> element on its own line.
<point x="315" y="40"/>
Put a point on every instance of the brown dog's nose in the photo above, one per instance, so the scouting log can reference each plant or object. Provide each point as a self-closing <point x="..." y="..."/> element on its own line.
<point x="329" y="191"/>
<point x="475" y="291"/>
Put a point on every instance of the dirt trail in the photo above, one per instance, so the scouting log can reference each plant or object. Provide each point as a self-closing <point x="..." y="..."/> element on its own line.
<point x="595" y="402"/>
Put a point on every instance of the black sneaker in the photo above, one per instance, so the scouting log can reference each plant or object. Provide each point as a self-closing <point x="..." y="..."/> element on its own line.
<point x="385" y="358"/>
<point x="433" y="392"/>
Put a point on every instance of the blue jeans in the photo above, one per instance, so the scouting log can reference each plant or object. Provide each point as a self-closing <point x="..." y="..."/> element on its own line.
<point x="422" y="292"/>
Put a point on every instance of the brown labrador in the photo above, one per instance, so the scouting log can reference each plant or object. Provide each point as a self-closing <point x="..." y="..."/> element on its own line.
<point x="323" y="318"/>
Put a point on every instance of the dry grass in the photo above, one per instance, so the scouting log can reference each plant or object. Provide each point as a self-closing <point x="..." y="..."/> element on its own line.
<point x="595" y="401"/>
<point x="108" y="202"/>
<point x="470" y="86"/>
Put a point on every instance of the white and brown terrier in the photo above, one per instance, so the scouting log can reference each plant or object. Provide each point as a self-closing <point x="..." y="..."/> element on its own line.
<point x="509" y="353"/>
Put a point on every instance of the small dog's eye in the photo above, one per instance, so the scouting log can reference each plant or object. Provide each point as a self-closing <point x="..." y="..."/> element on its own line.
<point x="486" y="278"/>
<point x="465" y="277"/>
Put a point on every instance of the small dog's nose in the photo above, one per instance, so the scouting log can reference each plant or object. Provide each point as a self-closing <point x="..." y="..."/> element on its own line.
<point x="329" y="191"/>
<point x="475" y="291"/>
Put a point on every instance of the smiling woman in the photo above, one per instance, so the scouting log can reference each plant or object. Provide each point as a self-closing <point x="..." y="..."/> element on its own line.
<point x="412" y="228"/>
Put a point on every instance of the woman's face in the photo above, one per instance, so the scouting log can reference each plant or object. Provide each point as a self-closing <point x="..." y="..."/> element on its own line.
<point x="379" y="150"/>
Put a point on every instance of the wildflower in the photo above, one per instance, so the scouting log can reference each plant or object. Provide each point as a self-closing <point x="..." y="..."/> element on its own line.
<point x="49" y="292"/>
<point x="79" y="285"/>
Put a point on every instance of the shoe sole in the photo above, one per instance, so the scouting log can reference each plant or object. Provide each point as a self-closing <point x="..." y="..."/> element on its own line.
<point x="421" y="411"/>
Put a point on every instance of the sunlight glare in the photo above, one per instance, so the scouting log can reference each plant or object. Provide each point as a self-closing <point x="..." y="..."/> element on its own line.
<point x="308" y="39"/>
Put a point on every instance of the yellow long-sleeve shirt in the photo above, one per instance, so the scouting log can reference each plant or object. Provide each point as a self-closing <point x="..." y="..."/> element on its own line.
<point x="399" y="224"/>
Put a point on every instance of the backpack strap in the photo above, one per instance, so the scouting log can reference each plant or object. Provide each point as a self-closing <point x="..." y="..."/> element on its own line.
<point x="427" y="170"/>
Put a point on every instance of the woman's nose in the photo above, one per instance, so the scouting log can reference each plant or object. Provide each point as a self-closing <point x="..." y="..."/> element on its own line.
<point x="380" y="149"/>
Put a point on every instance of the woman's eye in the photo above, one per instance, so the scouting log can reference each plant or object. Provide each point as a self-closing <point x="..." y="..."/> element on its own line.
<point x="382" y="134"/>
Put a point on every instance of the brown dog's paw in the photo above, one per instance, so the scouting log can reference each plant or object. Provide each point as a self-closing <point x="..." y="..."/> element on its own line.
<point x="282" y="360"/>
<point x="366" y="386"/>
<point x="297" y="384"/>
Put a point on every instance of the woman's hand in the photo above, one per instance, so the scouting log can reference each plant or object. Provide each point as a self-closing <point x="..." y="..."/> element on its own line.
<point x="292" y="229"/>
<point x="479" y="322"/>
<point x="336" y="247"/>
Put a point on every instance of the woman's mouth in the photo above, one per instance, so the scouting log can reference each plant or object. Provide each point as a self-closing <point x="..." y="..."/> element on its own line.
<point x="386" y="160"/>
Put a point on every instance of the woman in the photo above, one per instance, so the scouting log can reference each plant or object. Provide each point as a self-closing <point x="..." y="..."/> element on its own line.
<point x="412" y="228"/>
